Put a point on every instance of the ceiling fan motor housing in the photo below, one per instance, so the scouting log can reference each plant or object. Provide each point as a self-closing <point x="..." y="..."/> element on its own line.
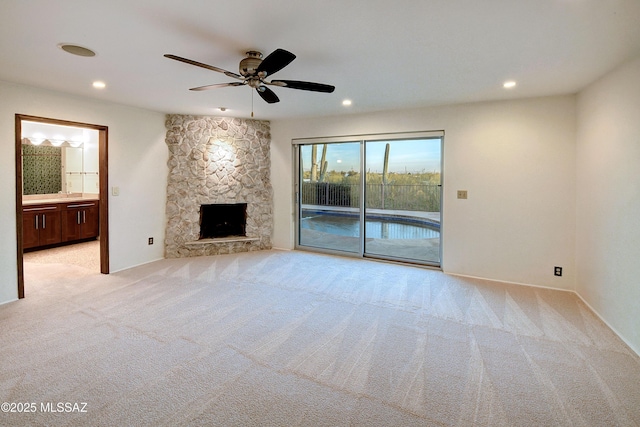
<point x="250" y="64"/>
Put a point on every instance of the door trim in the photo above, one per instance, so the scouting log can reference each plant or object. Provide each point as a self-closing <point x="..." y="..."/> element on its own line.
<point x="103" y="179"/>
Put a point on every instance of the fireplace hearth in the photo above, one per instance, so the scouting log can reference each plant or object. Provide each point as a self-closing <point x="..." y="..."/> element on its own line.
<point x="223" y="220"/>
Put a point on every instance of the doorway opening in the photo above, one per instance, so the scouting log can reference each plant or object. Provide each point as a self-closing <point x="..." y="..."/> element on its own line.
<point x="54" y="208"/>
<point x="376" y="196"/>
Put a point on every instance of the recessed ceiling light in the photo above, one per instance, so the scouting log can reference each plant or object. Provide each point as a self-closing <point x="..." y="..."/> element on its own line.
<point x="223" y="109"/>
<point x="509" y="84"/>
<point x="74" y="49"/>
<point x="346" y="102"/>
<point x="99" y="85"/>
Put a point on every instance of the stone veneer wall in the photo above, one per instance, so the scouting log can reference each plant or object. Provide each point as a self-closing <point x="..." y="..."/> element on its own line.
<point x="217" y="160"/>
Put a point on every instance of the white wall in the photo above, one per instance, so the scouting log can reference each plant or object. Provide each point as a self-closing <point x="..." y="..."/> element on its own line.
<point x="137" y="164"/>
<point x="515" y="158"/>
<point x="608" y="199"/>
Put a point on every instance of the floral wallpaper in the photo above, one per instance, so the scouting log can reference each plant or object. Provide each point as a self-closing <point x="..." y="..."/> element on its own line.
<point x="41" y="169"/>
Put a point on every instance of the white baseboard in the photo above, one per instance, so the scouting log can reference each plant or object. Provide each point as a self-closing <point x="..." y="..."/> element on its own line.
<point x="635" y="350"/>
<point x="510" y="283"/>
<point x="618" y="334"/>
<point x="8" y="301"/>
<point x="136" y="265"/>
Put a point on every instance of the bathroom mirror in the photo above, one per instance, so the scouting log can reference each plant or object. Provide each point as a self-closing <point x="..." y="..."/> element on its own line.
<point x="47" y="169"/>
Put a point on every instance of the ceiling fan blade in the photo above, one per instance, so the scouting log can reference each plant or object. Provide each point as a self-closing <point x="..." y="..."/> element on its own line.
<point x="218" y="85"/>
<point x="275" y="61"/>
<point x="267" y="94"/>
<point x="296" y="84"/>
<point x="200" y="64"/>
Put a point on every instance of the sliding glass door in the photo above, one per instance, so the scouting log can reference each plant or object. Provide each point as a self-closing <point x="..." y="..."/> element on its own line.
<point x="374" y="197"/>
<point x="329" y="196"/>
<point x="402" y="199"/>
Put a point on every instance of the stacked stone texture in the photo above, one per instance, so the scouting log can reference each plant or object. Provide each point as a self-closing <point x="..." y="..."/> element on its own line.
<point x="217" y="160"/>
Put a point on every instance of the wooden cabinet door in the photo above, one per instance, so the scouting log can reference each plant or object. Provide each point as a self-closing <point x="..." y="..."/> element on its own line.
<point x="71" y="224"/>
<point x="90" y="226"/>
<point x="80" y="221"/>
<point x="30" y="232"/>
<point x="40" y="225"/>
<point x="50" y="228"/>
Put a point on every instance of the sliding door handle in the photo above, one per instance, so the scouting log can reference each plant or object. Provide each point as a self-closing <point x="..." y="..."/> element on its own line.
<point x="36" y="222"/>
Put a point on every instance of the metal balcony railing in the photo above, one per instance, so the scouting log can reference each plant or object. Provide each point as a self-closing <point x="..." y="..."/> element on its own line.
<point x="416" y="197"/>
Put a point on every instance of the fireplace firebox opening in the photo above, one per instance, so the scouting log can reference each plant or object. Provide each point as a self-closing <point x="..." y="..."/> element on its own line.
<point x="223" y="220"/>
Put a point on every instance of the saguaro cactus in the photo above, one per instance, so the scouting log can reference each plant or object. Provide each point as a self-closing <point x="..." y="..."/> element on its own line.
<point x="385" y="173"/>
<point x="385" y="168"/>
<point x="323" y="163"/>
<point x="314" y="163"/>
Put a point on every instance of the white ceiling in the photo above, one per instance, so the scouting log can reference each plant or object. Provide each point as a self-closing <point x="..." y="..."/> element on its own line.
<point x="383" y="55"/>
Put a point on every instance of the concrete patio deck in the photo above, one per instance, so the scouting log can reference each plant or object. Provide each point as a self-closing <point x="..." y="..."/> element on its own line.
<point x="420" y="250"/>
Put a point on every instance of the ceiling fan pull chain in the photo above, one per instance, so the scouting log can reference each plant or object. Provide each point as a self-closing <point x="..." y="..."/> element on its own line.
<point x="252" y="104"/>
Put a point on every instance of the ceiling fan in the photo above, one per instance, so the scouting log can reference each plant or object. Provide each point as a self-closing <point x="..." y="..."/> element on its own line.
<point x="253" y="72"/>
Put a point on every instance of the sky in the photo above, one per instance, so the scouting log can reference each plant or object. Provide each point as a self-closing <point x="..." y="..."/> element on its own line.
<point x="416" y="155"/>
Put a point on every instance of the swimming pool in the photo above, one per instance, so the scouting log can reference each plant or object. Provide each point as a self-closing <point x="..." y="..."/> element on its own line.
<point x="377" y="227"/>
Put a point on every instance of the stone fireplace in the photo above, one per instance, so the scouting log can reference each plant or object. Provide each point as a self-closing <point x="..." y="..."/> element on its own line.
<point x="218" y="167"/>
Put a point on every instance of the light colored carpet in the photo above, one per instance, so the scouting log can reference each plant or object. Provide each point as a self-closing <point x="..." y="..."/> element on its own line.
<point x="84" y="254"/>
<point x="277" y="338"/>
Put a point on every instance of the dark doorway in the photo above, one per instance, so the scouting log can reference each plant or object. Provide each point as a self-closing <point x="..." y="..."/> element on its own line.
<point x="223" y="220"/>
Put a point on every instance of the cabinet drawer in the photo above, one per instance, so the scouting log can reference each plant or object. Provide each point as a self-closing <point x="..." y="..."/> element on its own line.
<point x="80" y="205"/>
<point x="44" y="208"/>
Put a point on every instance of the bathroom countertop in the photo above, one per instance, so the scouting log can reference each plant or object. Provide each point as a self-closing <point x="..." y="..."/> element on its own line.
<point x="50" y="198"/>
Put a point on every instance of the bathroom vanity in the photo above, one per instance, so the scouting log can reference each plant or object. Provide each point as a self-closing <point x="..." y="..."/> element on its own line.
<point x="53" y="221"/>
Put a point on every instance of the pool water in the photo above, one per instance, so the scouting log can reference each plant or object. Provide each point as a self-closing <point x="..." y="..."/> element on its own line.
<point x="374" y="228"/>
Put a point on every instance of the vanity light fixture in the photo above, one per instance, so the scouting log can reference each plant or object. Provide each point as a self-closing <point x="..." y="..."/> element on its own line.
<point x="37" y="138"/>
<point x="57" y="140"/>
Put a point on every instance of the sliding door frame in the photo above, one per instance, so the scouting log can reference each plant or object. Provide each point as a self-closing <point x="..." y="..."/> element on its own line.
<point x="362" y="140"/>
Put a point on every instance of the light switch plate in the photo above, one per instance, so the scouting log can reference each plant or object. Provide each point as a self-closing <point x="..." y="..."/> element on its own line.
<point x="115" y="191"/>
<point x="462" y="194"/>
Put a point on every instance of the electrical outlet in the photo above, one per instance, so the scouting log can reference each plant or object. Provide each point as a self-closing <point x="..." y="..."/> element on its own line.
<point x="557" y="271"/>
<point x="462" y="194"/>
<point x="151" y="240"/>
